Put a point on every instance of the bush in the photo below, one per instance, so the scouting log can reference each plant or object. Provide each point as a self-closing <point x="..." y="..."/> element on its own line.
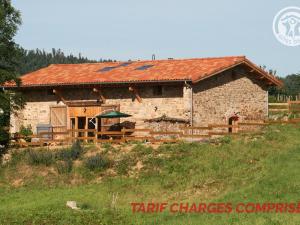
<point x="70" y="154"/>
<point x="225" y="140"/>
<point x="26" y="132"/>
<point x="76" y="150"/>
<point x="40" y="158"/>
<point x="97" y="162"/>
<point x="4" y="140"/>
<point x="64" y="166"/>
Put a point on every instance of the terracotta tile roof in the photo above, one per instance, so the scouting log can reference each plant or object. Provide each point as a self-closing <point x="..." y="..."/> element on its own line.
<point x="137" y="71"/>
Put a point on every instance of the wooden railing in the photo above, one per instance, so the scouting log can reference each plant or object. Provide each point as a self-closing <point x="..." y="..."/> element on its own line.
<point x="125" y="135"/>
<point x="290" y="106"/>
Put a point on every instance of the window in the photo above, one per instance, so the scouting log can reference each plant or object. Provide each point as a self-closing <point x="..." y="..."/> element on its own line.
<point x="157" y="91"/>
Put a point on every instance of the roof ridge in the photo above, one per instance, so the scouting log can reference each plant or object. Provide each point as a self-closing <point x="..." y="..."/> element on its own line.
<point x="184" y="59"/>
<point x="67" y="64"/>
<point x="149" y="60"/>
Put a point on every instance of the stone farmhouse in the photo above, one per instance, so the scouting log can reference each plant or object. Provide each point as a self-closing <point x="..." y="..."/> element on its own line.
<point x="197" y="91"/>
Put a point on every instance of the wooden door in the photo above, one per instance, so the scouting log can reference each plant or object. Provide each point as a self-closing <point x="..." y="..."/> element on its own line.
<point x="58" y="118"/>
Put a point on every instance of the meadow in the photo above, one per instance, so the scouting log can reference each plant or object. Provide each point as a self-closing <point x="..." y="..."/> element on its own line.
<point x="104" y="180"/>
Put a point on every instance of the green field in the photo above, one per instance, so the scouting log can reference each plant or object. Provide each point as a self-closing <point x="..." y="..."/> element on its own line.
<point x="256" y="168"/>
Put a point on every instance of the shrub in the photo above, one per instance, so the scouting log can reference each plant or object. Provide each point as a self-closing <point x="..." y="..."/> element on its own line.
<point x="4" y="140"/>
<point x="70" y="154"/>
<point x="26" y="132"/>
<point x="84" y="206"/>
<point x="225" y="140"/>
<point x="97" y="162"/>
<point x="40" y="157"/>
<point x="64" y="154"/>
<point x="64" y="166"/>
<point x="76" y="150"/>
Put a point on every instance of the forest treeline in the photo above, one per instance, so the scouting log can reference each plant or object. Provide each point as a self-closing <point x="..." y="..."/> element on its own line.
<point x="31" y="60"/>
<point x="290" y="90"/>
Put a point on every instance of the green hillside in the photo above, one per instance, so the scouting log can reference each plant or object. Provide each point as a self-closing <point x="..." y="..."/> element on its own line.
<point x="36" y="184"/>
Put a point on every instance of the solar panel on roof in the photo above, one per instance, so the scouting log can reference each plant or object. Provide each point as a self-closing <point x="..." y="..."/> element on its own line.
<point x="144" y="67"/>
<point x="124" y="64"/>
<point x="108" y="68"/>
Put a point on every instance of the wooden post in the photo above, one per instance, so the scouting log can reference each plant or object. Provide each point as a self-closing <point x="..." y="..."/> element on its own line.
<point x="97" y="90"/>
<point x="136" y="93"/>
<point x="86" y="133"/>
<point x="76" y="127"/>
<point x="96" y="130"/>
<point x="58" y="93"/>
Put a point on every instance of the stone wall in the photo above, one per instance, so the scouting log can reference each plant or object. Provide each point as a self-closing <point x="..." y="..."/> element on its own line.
<point x="217" y="98"/>
<point x="174" y="102"/>
<point x="36" y="111"/>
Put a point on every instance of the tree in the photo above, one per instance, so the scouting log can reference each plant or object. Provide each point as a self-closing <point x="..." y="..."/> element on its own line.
<point x="291" y="87"/>
<point x="292" y="84"/>
<point x="31" y="60"/>
<point x="10" y="19"/>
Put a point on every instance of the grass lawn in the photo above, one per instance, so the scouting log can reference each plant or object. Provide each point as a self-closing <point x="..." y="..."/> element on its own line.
<point x="241" y="169"/>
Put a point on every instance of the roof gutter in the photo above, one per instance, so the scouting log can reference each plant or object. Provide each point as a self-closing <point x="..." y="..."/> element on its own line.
<point x="99" y="83"/>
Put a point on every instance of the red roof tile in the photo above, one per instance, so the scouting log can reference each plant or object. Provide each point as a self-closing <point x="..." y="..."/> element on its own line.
<point x="161" y="70"/>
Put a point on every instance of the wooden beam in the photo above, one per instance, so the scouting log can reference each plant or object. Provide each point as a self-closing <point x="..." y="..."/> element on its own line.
<point x="99" y="91"/>
<point x="58" y="93"/>
<point x="136" y="93"/>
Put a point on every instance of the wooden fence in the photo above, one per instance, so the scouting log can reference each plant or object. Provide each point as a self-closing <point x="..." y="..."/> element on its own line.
<point x="290" y="107"/>
<point x="127" y="135"/>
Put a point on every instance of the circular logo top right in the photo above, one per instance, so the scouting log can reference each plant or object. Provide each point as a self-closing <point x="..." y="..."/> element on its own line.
<point x="286" y="26"/>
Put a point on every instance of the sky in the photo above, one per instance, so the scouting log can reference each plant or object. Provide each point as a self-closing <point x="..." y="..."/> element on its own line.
<point x="136" y="29"/>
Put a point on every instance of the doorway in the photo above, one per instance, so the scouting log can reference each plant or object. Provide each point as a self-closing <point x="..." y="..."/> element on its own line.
<point x="73" y="125"/>
<point x="91" y="126"/>
<point x="81" y="126"/>
<point x="230" y="123"/>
